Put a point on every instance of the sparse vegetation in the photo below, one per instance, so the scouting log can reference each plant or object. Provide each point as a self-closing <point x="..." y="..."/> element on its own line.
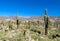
<point x="29" y="30"/>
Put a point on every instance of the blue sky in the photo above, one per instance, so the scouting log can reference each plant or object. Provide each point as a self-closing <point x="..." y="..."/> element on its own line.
<point x="29" y="7"/>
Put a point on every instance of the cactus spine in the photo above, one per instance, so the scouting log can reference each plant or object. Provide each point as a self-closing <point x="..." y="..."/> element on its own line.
<point x="46" y="22"/>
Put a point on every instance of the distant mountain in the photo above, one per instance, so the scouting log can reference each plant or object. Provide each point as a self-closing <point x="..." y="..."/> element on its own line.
<point x="52" y="19"/>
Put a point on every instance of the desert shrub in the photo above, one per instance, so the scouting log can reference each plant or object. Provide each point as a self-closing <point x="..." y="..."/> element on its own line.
<point x="58" y="39"/>
<point x="50" y="36"/>
<point x="35" y="36"/>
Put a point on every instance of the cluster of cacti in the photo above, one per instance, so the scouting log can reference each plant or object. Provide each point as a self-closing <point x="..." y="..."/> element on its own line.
<point x="46" y="22"/>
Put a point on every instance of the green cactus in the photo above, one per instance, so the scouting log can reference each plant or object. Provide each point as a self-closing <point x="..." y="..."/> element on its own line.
<point x="2" y="22"/>
<point x="38" y="22"/>
<point x="28" y="24"/>
<point x="10" y="25"/>
<point x="17" y="21"/>
<point x="46" y="22"/>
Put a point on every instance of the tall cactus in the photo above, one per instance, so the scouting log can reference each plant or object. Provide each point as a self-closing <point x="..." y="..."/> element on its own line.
<point x="46" y="22"/>
<point x="17" y="21"/>
<point x="58" y="25"/>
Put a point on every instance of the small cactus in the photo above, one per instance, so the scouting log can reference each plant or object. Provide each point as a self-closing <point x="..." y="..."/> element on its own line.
<point x="29" y="24"/>
<point x="38" y="22"/>
<point x="10" y="25"/>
